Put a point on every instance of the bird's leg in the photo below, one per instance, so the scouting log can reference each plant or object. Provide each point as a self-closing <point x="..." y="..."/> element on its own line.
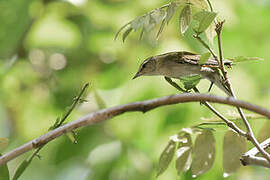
<point x="211" y="85"/>
<point x="195" y="89"/>
<point x="170" y="81"/>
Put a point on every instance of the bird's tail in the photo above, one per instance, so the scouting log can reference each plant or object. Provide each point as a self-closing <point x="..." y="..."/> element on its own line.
<point x="216" y="79"/>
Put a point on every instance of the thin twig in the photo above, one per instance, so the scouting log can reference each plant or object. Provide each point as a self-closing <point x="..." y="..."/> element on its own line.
<point x="143" y="106"/>
<point x="250" y="134"/>
<point x="196" y="36"/>
<point x="228" y="122"/>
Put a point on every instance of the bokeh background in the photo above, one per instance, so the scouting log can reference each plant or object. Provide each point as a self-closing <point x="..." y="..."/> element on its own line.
<point x="50" y="48"/>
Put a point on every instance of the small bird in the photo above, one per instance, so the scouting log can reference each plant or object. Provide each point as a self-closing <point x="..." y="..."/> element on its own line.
<point x="181" y="64"/>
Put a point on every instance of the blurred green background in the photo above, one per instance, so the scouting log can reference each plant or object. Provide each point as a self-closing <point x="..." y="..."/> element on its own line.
<point x="50" y="48"/>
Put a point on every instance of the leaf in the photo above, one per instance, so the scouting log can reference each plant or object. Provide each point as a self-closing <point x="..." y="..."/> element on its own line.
<point x="99" y="100"/>
<point x="204" y="58"/>
<point x="204" y="153"/>
<point x="3" y="143"/>
<point x="205" y="18"/>
<point x="118" y="32"/>
<point x="264" y="133"/>
<point x="211" y="33"/>
<point x="21" y="169"/>
<point x="158" y="15"/>
<point x="126" y="33"/>
<point x="138" y="22"/>
<point x="4" y="173"/>
<point x="161" y="29"/>
<point x="233" y="147"/>
<point x="171" y="11"/>
<point x="72" y="137"/>
<point x="190" y="81"/>
<point x="166" y="157"/>
<point x="184" y="19"/>
<point x="183" y="154"/>
<point x="202" y="4"/>
<point x="244" y="59"/>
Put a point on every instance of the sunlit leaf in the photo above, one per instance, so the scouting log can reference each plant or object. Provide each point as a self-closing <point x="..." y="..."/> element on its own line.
<point x="158" y="15"/>
<point x="202" y="4"/>
<point x="161" y="28"/>
<point x="138" y="22"/>
<point x="184" y="155"/>
<point x="166" y="157"/>
<point x="190" y="81"/>
<point x="118" y="32"/>
<point x="204" y="153"/>
<point x="233" y="147"/>
<point x="126" y="33"/>
<point x="205" y="18"/>
<point x="204" y="58"/>
<point x="171" y="11"/>
<point x="4" y="173"/>
<point x="20" y="170"/>
<point x="184" y="19"/>
<point x="211" y="33"/>
<point x="3" y="143"/>
<point x="245" y="59"/>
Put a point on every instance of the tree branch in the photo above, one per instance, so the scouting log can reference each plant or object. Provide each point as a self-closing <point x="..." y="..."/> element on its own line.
<point x="250" y="134"/>
<point x="143" y="106"/>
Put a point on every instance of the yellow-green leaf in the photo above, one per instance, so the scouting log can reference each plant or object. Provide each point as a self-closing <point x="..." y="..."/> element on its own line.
<point x="20" y="170"/>
<point x="184" y="19"/>
<point x="190" y="81"/>
<point x="183" y="154"/>
<point x="4" y="173"/>
<point x="204" y="152"/>
<point x="245" y="59"/>
<point x="161" y="28"/>
<point x="126" y="33"/>
<point x="202" y="4"/>
<point x="171" y="11"/>
<point x="205" y="18"/>
<point x="204" y="58"/>
<point x="233" y="147"/>
<point x="166" y="157"/>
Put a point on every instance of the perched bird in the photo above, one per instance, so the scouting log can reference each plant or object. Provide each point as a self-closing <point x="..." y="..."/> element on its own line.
<point x="181" y="64"/>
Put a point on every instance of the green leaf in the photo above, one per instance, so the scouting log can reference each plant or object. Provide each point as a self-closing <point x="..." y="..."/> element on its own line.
<point x="3" y="143"/>
<point x="204" y="153"/>
<point x="72" y="137"/>
<point x="126" y="33"/>
<point x="161" y="29"/>
<point x="204" y="58"/>
<point x="211" y="33"/>
<point x="123" y="27"/>
<point x="202" y="4"/>
<point x="100" y="102"/>
<point x="158" y="15"/>
<point x="245" y="59"/>
<point x="166" y="157"/>
<point x="233" y="147"/>
<point x="4" y="173"/>
<point x="20" y="170"/>
<point x="184" y="19"/>
<point x="205" y="18"/>
<point x="190" y="81"/>
<point x="183" y="154"/>
<point x="171" y="11"/>
<point x="138" y="22"/>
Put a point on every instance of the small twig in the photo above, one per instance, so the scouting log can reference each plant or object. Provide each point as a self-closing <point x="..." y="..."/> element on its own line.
<point x="250" y="134"/>
<point x="254" y="160"/>
<point x="228" y="122"/>
<point x="196" y="36"/>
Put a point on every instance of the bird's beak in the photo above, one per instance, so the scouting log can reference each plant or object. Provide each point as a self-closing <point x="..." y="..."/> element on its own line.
<point x="136" y="75"/>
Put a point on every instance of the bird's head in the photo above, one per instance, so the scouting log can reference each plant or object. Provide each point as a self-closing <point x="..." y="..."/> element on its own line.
<point x="147" y="68"/>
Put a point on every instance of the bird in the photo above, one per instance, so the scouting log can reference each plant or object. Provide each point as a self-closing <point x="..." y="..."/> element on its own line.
<point x="181" y="64"/>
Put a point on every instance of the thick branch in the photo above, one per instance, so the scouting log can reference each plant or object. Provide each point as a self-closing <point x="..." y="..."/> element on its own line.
<point x="142" y="106"/>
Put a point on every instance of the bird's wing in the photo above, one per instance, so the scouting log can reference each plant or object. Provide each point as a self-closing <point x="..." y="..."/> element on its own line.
<point x="186" y="57"/>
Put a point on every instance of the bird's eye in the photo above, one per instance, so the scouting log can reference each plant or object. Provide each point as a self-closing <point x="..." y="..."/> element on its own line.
<point x="143" y="66"/>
